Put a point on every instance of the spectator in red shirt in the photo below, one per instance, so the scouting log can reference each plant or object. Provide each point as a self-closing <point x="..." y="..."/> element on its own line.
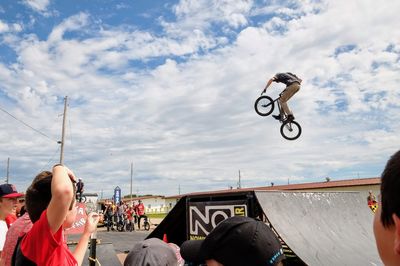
<point x="129" y="215"/>
<point x="16" y="212"/>
<point x="11" y="218"/>
<point x="50" y="202"/>
<point x="140" y="211"/>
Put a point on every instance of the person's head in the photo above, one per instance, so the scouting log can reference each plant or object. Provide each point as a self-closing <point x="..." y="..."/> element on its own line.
<point x="38" y="196"/>
<point x="20" y="204"/>
<point x="8" y="199"/>
<point x="152" y="251"/>
<point x="237" y="240"/>
<point x="387" y="216"/>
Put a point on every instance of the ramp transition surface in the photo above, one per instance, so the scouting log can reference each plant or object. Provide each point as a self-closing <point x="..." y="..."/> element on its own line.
<point x="323" y="228"/>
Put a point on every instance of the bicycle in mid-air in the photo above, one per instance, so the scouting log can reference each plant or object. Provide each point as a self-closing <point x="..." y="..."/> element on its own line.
<point x="265" y="105"/>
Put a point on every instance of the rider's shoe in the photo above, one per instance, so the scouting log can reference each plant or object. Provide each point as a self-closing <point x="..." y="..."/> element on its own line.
<point x="277" y="117"/>
<point x="290" y="117"/>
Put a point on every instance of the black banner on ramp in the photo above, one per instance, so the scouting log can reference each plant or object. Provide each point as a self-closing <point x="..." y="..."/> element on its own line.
<point x="205" y="216"/>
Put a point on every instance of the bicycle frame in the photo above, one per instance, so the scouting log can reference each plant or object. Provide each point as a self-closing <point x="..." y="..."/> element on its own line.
<point x="279" y="107"/>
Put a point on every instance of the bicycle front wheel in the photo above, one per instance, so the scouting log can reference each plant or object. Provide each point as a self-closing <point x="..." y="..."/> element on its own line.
<point x="147" y="226"/>
<point x="264" y="105"/>
<point x="290" y="130"/>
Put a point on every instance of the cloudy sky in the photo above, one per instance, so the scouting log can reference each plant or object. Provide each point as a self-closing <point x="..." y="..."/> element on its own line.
<point x="170" y="87"/>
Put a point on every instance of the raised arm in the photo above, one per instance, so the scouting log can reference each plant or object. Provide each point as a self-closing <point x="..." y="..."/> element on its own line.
<point x="268" y="84"/>
<point x="62" y="194"/>
<point x="90" y="227"/>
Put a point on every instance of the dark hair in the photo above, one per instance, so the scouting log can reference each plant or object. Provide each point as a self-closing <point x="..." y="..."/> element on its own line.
<point x="22" y="211"/>
<point x="390" y="187"/>
<point x="38" y="195"/>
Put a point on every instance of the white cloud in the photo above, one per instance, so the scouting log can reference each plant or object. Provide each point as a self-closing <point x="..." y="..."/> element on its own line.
<point x="3" y="27"/>
<point x="38" y="5"/>
<point x="13" y="27"/>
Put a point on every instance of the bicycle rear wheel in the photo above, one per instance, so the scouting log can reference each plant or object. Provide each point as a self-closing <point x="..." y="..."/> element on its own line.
<point x="290" y="130"/>
<point x="264" y="105"/>
<point x="146" y="226"/>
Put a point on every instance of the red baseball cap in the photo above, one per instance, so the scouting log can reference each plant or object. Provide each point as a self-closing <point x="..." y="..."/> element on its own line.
<point x="9" y="191"/>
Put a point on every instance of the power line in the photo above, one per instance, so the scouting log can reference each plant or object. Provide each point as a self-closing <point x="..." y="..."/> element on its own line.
<point x="41" y="133"/>
<point x="51" y="159"/>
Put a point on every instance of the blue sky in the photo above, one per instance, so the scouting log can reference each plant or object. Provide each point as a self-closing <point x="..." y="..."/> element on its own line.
<point x="170" y="86"/>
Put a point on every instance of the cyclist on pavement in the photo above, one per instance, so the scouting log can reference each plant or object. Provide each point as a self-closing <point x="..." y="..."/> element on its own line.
<point x="108" y="215"/>
<point x="140" y="212"/>
<point x="129" y="214"/>
<point x="292" y="83"/>
<point x="79" y="189"/>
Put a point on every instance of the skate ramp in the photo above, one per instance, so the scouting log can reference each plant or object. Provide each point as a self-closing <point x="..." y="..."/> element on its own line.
<point x="323" y="228"/>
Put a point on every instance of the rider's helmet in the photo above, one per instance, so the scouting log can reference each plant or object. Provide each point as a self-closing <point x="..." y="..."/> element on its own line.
<point x="80" y="179"/>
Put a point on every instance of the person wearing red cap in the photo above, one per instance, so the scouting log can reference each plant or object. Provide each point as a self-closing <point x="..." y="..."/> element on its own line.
<point x="8" y="201"/>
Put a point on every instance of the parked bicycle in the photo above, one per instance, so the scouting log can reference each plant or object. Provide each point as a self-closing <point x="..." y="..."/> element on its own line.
<point x="130" y="225"/>
<point x="146" y="223"/>
<point x="80" y="197"/>
<point x="121" y="223"/>
<point x="265" y="105"/>
<point x="108" y="222"/>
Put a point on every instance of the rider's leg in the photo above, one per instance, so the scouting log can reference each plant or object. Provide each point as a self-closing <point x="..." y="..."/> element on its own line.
<point x="138" y="224"/>
<point x="281" y="113"/>
<point x="286" y="95"/>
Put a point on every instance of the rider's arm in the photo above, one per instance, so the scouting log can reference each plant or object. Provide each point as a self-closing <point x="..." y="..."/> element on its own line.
<point x="269" y="83"/>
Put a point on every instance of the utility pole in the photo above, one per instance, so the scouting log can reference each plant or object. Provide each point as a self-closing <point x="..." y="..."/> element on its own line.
<point x="63" y="131"/>
<point x="239" y="183"/>
<point x="131" y="180"/>
<point x="179" y="189"/>
<point x="8" y="170"/>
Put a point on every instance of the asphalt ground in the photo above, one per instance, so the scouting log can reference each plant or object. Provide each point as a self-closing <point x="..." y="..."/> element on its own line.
<point x="121" y="241"/>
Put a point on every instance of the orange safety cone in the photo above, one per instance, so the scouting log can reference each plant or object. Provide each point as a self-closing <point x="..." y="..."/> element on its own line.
<point x="165" y="239"/>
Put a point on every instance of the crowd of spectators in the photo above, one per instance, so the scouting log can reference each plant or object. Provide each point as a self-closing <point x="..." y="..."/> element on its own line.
<point x="123" y="215"/>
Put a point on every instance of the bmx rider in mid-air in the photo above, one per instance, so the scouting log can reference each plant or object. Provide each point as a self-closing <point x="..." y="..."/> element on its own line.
<point x="292" y="83"/>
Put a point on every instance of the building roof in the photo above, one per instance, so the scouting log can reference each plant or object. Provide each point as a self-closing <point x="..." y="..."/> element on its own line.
<point x="301" y="186"/>
<point x="142" y="197"/>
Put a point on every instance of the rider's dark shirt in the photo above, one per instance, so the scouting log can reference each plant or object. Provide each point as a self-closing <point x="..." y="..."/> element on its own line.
<point x="286" y="78"/>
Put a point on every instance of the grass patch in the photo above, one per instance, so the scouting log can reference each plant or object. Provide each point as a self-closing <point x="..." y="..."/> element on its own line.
<point x="156" y="215"/>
